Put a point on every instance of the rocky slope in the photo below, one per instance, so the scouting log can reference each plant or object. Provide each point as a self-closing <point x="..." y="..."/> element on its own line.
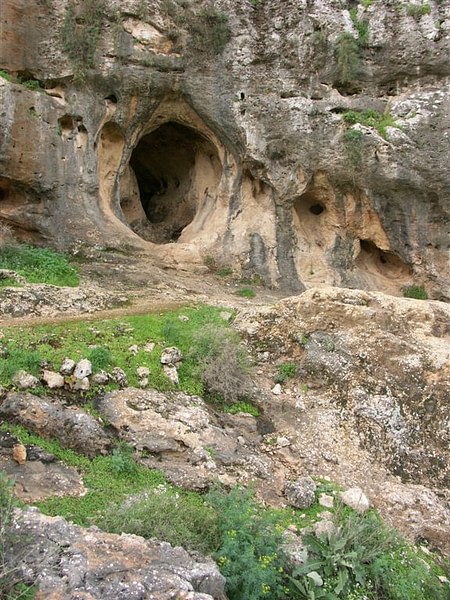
<point x="199" y="130"/>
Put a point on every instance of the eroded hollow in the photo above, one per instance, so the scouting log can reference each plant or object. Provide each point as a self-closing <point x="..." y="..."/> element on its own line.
<point x="171" y="172"/>
<point x="388" y="264"/>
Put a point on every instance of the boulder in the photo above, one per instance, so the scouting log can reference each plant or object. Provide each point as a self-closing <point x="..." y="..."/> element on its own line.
<point x="356" y="499"/>
<point x="83" y="369"/>
<point x="52" y="380"/>
<point x="300" y="493"/>
<point x="23" y="380"/>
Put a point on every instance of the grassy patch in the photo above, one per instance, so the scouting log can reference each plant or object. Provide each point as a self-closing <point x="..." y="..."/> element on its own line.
<point x="415" y="291"/>
<point x="370" y="118"/>
<point x="243" y="407"/>
<point x="246" y="292"/>
<point x="107" y="343"/>
<point x="285" y="371"/>
<point x="39" y="265"/>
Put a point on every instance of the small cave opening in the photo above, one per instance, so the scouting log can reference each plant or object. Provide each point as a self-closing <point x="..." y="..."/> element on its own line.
<point x="172" y="172"/>
<point x="309" y="204"/>
<point x="373" y="259"/>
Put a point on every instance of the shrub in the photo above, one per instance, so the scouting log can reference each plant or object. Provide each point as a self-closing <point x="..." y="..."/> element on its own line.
<point x="243" y="407"/>
<point x="165" y="514"/>
<point x="38" y="265"/>
<point x="18" y="359"/>
<point x="285" y="371"/>
<point x="418" y="10"/>
<point x="249" y="554"/>
<point x="122" y="460"/>
<point x="222" y="364"/>
<point x="209" y="30"/>
<point x="100" y="358"/>
<point x="246" y="293"/>
<point x="415" y="291"/>
<point x="370" y="118"/>
<point x="348" y="59"/>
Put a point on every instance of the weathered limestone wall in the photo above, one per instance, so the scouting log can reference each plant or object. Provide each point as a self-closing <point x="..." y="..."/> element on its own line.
<point x="255" y="163"/>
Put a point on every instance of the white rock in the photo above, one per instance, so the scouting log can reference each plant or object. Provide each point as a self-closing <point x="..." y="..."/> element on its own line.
<point x="326" y="500"/>
<point x="82" y="384"/>
<point x="52" y="380"/>
<point x="171" y="373"/>
<point x="83" y="369"/>
<point x="119" y="376"/>
<point x="143" y="372"/>
<point x="100" y="378"/>
<point x="356" y="499"/>
<point x="277" y="389"/>
<point x="149" y="347"/>
<point x="24" y="380"/>
<point x="171" y="356"/>
<point x="134" y="349"/>
<point x="67" y="366"/>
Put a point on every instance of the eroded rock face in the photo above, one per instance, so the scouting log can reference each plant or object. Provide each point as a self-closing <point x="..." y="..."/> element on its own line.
<point x="71" y="426"/>
<point x="66" y="561"/>
<point x="167" y="142"/>
<point x="370" y="364"/>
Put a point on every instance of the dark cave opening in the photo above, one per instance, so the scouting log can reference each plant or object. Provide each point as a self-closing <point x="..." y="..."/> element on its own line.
<point x="170" y="171"/>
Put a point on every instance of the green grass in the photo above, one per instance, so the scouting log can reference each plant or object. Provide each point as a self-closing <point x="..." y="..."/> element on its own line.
<point x="5" y="75"/>
<point x="106" y="343"/>
<point x="39" y="265"/>
<point x="415" y="291"/>
<point x="370" y="118"/>
<point x="243" y="407"/>
<point x="246" y="292"/>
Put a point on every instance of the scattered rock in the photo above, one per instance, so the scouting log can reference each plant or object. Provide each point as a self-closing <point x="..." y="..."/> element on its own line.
<point x="149" y="347"/>
<point x="19" y="454"/>
<point x="300" y="493"/>
<point x="183" y="318"/>
<point x="119" y="376"/>
<point x="83" y="369"/>
<point x="67" y="367"/>
<point x="134" y="349"/>
<point x="142" y="372"/>
<point x="82" y="385"/>
<point x="24" y="380"/>
<point x="356" y="499"/>
<point x="326" y="500"/>
<point x="277" y="389"/>
<point x="52" y="380"/>
<point x="170" y="371"/>
<point x="100" y="378"/>
<point x="171" y="356"/>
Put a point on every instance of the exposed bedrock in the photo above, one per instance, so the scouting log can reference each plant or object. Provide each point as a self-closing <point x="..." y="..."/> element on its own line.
<point x="221" y="130"/>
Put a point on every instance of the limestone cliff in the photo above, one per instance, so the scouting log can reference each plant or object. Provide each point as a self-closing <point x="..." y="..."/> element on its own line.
<point x="305" y="141"/>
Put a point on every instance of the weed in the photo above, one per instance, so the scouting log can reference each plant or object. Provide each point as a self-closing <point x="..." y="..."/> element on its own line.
<point x="224" y="272"/>
<point x="81" y="31"/>
<point x="18" y="359"/>
<point x="38" y="265"/>
<point x="285" y="371"/>
<point x="209" y="30"/>
<point x="222" y="365"/>
<point x="166" y="514"/>
<point x="246" y="292"/>
<point x="361" y="26"/>
<point x="242" y="407"/>
<point x="415" y="291"/>
<point x="32" y="84"/>
<point x="6" y="75"/>
<point x="100" y="359"/>
<point x="249" y="553"/>
<point x="418" y="10"/>
<point x="353" y="143"/>
<point x="122" y="460"/>
<point x="370" y="118"/>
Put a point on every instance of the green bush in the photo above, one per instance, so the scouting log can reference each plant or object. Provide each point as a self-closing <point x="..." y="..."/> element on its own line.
<point x="122" y="460"/>
<point x="370" y="118"/>
<point x="415" y="291"/>
<point x="285" y="371"/>
<point x="348" y="57"/>
<point x="246" y="293"/>
<point x="100" y="358"/>
<point x="39" y="265"/>
<point x="243" y="407"/>
<point x="181" y="519"/>
<point x="18" y="359"/>
<point x="249" y="555"/>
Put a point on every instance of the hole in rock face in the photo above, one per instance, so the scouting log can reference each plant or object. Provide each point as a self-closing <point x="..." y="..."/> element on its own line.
<point x="173" y="171"/>
<point x="371" y="258"/>
<point x="308" y="204"/>
<point x="316" y="209"/>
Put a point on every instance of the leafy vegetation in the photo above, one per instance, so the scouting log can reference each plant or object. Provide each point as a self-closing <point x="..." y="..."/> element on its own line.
<point x="348" y="57"/>
<point x="38" y="265"/>
<point x="81" y="31"/>
<point x="415" y="291"/>
<point x="418" y="10"/>
<point x="199" y="334"/>
<point x="285" y="371"/>
<point x="370" y="118"/>
<point x="246" y="292"/>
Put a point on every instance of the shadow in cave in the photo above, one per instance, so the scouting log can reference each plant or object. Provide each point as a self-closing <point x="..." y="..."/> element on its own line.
<point x="170" y="172"/>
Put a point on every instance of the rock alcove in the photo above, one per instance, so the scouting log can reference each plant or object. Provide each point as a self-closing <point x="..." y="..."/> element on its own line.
<point x="172" y="173"/>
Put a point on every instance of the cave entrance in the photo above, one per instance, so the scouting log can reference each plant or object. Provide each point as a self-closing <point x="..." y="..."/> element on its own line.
<point x="171" y="172"/>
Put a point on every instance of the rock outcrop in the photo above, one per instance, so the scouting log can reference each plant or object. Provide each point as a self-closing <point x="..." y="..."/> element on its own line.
<point x="303" y="141"/>
<point x="65" y="561"/>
